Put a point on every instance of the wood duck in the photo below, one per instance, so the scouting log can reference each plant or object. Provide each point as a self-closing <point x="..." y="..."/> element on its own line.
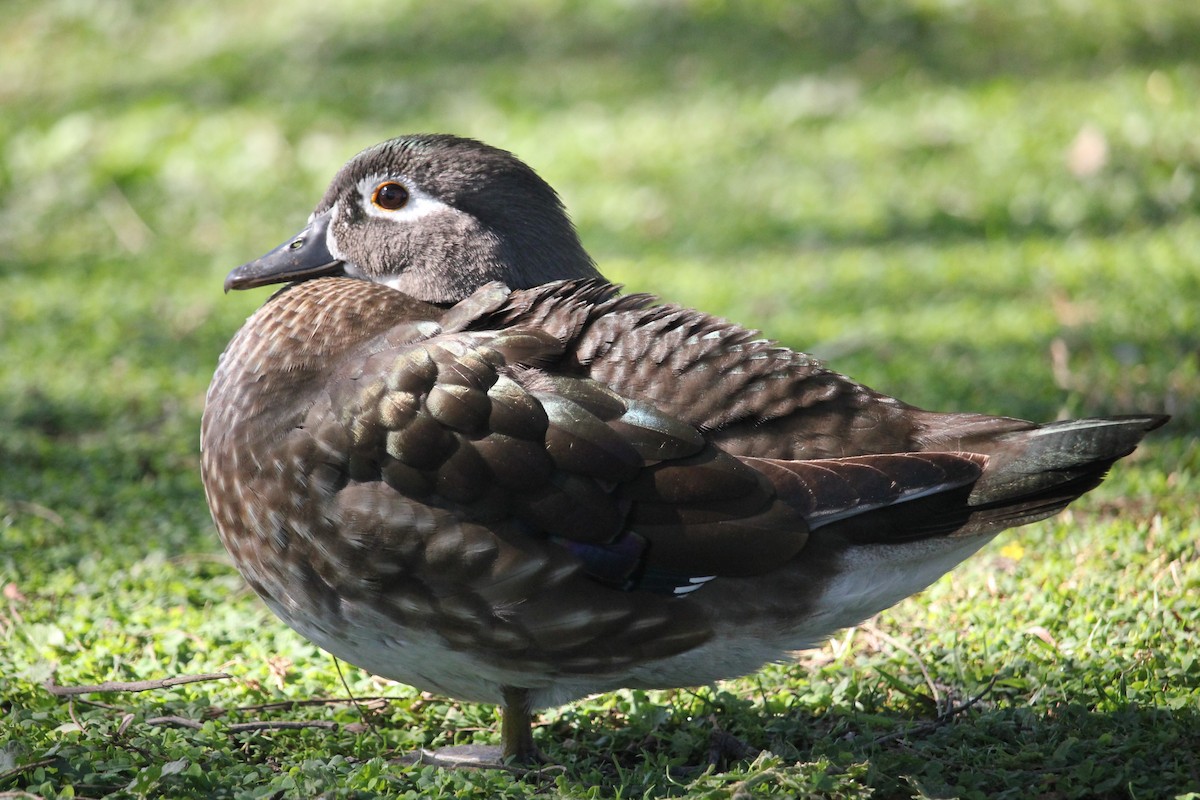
<point x="450" y="453"/>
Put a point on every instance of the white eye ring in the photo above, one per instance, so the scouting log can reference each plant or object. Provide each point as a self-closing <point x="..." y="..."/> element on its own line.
<point x="416" y="204"/>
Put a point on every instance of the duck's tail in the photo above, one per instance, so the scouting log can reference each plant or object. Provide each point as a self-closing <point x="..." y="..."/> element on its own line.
<point x="1034" y="471"/>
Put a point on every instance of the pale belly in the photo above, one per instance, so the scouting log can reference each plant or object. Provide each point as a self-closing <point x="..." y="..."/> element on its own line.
<point x="866" y="580"/>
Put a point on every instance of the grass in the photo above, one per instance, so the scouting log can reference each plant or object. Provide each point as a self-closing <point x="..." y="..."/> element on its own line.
<point x="968" y="205"/>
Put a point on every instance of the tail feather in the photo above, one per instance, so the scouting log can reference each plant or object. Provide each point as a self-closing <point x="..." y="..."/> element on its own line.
<point x="1031" y="472"/>
<point x="1040" y="462"/>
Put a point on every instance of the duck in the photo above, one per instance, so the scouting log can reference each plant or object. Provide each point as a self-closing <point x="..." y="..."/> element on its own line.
<point x="449" y="452"/>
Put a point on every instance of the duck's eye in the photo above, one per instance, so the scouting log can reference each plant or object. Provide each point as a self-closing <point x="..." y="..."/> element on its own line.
<point x="390" y="196"/>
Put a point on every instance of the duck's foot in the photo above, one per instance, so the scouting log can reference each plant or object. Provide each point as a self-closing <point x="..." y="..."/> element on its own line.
<point x="519" y="754"/>
<point x="471" y="756"/>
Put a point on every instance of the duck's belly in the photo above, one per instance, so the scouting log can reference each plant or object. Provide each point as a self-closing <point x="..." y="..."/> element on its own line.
<point x="862" y="582"/>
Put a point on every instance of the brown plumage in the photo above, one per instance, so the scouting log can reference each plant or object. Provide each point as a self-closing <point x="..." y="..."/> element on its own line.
<point x="452" y="455"/>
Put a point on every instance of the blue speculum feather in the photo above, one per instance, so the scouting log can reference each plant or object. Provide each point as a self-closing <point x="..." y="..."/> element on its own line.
<point x="621" y="563"/>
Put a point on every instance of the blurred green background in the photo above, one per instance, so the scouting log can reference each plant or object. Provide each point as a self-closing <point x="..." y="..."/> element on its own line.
<point x="970" y="205"/>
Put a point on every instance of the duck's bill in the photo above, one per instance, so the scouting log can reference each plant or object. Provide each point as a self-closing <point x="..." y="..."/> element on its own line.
<point x="304" y="256"/>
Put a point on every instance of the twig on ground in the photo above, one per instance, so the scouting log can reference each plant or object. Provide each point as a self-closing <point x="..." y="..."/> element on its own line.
<point x="174" y="719"/>
<point x="130" y="686"/>
<point x="243" y="727"/>
<point x="127" y="719"/>
<point x="39" y="510"/>
<point x="71" y="712"/>
<point x="279" y="725"/>
<point x="902" y="647"/>
<point x="364" y="713"/>
<point x="376" y="701"/>
<point x="87" y="701"/>
<point x="8" y="773"/>
<point x="941" y="719"/>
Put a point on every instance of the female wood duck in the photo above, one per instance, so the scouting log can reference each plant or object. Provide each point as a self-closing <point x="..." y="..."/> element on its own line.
<point x="450" y="453"/>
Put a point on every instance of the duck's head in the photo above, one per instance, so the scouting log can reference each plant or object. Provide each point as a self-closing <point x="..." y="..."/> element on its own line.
<point x="435" y="217"/>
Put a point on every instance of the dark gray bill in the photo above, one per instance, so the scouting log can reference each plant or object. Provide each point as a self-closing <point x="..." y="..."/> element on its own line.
<point x="303" y="257"/>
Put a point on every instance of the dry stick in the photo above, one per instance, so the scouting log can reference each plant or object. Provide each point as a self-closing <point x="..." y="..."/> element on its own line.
<point x="39" y="510"/>
<point x="8" y="773"/>
<point x="935" y="695"/>
<point x="165" y="683"/>
<point x="263" y="725"/>
<point x="71" y="711"/>
<point x="362" y="709"/>
<point x="131" y="686"/>
<point x="126" y="720"/>
<point x="97" y="704"/>
<point x="314" y="701"/>
<point x="284" y="725"/>
<point x="941" y="720"/>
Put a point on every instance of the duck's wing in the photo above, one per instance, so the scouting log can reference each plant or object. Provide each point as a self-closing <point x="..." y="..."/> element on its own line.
<point x="484" y="426"/>
<point x="754" y="398"/>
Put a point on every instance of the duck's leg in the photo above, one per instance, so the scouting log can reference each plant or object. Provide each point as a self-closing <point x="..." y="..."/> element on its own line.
<point x="516" y="741"/>
<point x="516" y="727"/>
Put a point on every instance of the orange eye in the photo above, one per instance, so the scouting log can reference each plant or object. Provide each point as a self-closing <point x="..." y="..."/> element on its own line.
<point x="390" y="196"/>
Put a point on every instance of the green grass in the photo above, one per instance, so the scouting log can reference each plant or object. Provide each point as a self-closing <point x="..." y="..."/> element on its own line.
<point x="885" y="184"/>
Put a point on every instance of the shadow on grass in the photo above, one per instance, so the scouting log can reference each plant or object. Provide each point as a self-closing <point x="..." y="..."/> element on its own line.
<point x="1069" y="750"/>
<point x="103" y="477"/>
